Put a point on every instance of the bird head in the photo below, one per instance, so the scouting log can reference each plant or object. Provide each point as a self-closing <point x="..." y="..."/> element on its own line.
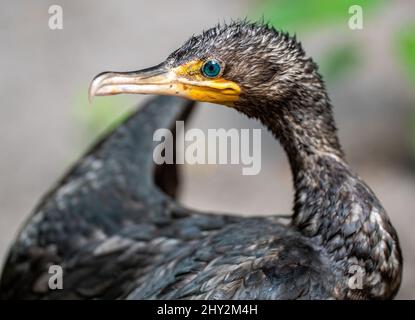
<point x="239" y="64"/>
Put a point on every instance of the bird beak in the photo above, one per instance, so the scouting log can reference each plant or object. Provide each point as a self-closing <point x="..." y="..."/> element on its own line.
<point x="183" y="81"/>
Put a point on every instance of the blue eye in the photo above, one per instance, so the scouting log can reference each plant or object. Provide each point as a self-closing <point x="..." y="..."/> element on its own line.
<point x="211" y="68"/>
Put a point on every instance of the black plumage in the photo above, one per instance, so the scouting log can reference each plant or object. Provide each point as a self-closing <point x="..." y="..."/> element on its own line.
<point x="113" y="225"/>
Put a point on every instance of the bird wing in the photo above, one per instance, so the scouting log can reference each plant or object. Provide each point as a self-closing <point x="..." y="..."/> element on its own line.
<point x="116" y="184"/>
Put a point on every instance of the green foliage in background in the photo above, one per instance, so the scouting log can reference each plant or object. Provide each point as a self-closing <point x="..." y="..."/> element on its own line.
<point x="295" y="15"/>
<point x="405" y="45"/>
<point x="102" y="114"/>
<point x="339" y="61"/>
<point x="305" y="15"/>
<point x="406" y="50"/>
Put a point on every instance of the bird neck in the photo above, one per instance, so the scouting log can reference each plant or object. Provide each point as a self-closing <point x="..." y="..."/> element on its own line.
<point x="308" y="135"/>
<point x="333" y="206"/>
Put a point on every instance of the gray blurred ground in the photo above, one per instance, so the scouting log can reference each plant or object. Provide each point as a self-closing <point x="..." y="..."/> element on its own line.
<point x="43" y="72"/>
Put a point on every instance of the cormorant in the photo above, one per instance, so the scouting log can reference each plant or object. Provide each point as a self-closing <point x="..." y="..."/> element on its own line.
<point x="114" y="227"/>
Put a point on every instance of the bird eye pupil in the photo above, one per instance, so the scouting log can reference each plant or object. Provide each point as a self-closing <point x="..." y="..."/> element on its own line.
<point x="211" y="68"/>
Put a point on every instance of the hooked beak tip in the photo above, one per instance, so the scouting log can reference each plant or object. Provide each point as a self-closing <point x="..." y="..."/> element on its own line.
<point x="95" y="85"/>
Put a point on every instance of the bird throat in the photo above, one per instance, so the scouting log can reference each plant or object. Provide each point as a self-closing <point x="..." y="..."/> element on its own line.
<point x="309" y="137"/>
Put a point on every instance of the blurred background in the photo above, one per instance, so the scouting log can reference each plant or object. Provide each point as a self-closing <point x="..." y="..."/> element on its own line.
<point x="46" y="122"/>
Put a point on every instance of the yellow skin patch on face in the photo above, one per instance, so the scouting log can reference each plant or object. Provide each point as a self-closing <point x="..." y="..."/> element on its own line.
<point x="196" y="86"/>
